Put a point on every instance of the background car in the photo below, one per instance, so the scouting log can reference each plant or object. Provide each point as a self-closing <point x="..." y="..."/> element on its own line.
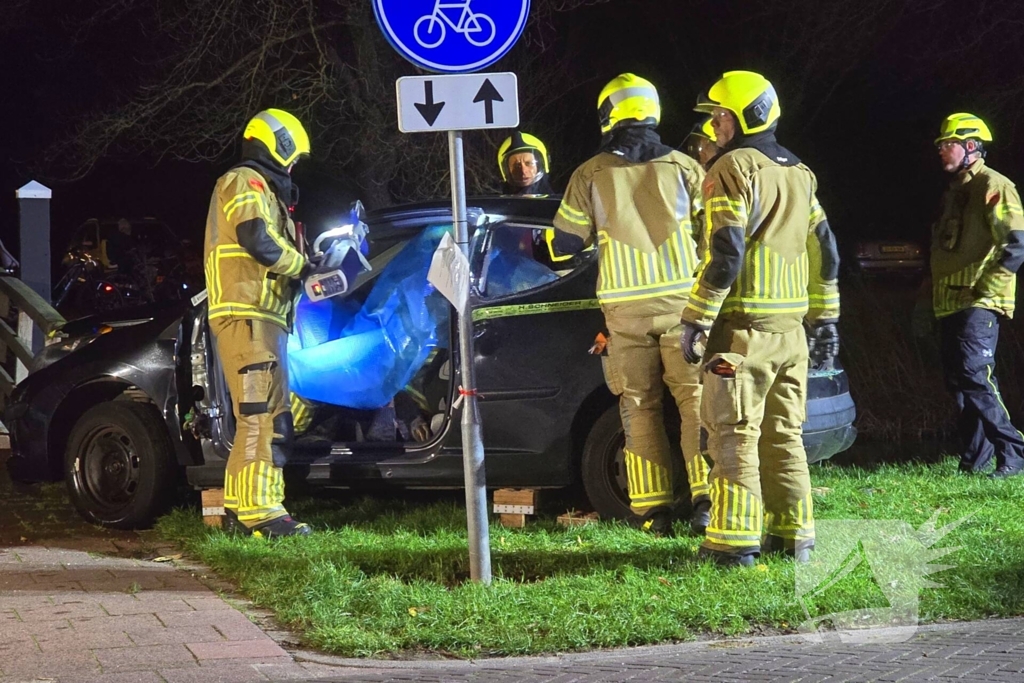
<point x="890" y="257"/>
<point x="123" y="403"/>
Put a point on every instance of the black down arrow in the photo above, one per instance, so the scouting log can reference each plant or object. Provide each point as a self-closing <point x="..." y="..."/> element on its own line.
<point x="488" y="95"/>
<point x="429" y="110"/>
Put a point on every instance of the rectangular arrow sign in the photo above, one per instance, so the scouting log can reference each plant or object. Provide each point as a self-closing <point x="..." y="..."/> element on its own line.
<point x="459" y="102"/>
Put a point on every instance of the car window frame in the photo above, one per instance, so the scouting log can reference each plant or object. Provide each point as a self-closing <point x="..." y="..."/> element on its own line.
<point x="580" y="262"/>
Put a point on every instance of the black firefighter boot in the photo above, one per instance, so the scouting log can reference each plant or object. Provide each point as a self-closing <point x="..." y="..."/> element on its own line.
<point x="658" y="521"/>
<point x="778" y="545"/>
<point x="746" y="558"/>
<point x="700" y="517"/>
<point x="275" y="528"/>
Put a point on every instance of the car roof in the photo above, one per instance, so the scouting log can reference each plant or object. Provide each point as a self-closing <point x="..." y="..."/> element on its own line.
<point x="403" y="217"/>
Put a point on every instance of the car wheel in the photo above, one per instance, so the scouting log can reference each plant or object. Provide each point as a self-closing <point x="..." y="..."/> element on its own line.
<point x="119" y="465"/>
<point x="603" y="467"/>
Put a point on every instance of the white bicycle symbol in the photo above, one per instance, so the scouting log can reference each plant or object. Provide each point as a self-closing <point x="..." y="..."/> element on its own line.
<point x="470" y="24"/>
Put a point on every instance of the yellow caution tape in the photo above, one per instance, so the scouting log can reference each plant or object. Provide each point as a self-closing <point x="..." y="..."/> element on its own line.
<point x="533" y="309"/>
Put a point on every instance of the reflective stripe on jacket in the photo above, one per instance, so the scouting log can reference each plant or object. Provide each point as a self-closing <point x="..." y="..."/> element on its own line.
<point x="977" y="244"/>
<point x="250" y="253"/>
<point x="772" y="260"/>
<point x="642" y="217"/>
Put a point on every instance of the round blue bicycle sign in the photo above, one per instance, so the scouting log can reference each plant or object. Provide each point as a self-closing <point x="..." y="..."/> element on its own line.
<point x="452" y="36"/>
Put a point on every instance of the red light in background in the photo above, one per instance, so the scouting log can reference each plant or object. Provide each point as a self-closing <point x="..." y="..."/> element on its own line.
<point x="108" y="288"/>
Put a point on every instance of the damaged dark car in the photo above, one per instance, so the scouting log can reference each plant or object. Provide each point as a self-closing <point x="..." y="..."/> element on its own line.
<point x="122" y="405"/>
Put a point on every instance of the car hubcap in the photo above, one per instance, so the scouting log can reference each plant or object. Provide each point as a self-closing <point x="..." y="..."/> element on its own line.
<point x="108" y="468"/>
<point x="617" y="469"/>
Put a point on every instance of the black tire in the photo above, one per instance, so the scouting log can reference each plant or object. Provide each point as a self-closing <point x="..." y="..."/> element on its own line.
<point x="120" y="466"/>
<point x="603" y="467"/>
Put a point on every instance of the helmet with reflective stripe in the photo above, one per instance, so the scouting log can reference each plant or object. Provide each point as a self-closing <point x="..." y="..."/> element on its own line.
<point x="281" y="133"/>
<point x="748" y="95"/>
<point x="704" y="129"/>
<point x="628" y="100"/>
<point x="963" y="126"/>
<point x="522" y="142"/>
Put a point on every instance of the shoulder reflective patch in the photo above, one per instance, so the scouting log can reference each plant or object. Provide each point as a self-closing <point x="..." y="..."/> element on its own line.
<point x="533" y="309"/>
<point x="256" y="184"/>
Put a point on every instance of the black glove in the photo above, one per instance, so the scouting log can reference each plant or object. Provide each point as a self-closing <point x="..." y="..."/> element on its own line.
<point x="692" y="340"/>
<point x="824" y="344"/>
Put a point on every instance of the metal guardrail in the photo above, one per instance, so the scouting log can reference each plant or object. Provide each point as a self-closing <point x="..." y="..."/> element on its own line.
<point x="34" y="316"/>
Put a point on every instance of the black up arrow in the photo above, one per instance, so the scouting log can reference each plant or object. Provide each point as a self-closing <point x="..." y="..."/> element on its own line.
<point x="429" y="110"/>
<point x="488" y="95"/>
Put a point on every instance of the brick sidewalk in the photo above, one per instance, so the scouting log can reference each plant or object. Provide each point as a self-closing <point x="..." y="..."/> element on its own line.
<point x="83" y="604"/>
<point x="973" y="651"/>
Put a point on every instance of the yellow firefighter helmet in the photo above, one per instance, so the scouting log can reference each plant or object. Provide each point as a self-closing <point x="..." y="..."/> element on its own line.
<point x="963" y="126"/>
<point x="628" y="100"/>
<point x="522" y="142"/>
<point x="748" y="95"/>
<point x="281" y="133"/>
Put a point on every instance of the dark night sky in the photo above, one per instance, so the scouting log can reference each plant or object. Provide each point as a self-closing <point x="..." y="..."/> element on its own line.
<point x="870" y="145"/>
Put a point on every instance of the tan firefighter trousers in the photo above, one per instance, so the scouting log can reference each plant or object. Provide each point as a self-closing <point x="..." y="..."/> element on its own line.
<point x="753" y="408"/>
<point x="252" y="355"/>
<point x="643" y="358"/>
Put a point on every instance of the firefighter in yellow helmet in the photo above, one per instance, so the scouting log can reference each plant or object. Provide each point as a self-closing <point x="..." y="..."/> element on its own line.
<point x="772" y="267"/>
<point x="637" y="199"/>
<point x="977" y="248"/>
<point x="700" y="143"/>
<point x="523" y="162"/>
<point x="253" y="266"/>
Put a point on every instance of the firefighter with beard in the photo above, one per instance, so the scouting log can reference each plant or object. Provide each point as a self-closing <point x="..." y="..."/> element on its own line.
<point x="977" y="249"/>
<point x="253" y="266"/>
<point x="772" y="267"/>
<point x="637" y="200"/>
<point x="523" y="162"/>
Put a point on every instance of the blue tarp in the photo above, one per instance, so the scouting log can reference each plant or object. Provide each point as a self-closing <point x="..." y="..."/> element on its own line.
<point x="360" y="357"/>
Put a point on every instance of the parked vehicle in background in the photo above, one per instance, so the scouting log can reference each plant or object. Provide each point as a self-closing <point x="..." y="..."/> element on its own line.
<point x="114" y="263"/>
<point x="890" y="257"/>
<point x="119" y="404"/>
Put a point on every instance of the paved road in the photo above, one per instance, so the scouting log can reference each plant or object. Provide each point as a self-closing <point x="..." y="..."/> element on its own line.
<point x="977" y="651"/>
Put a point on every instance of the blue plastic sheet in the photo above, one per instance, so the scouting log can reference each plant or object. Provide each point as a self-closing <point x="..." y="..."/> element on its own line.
<point x="511" y="267"/>
<point x="361" y="357"/>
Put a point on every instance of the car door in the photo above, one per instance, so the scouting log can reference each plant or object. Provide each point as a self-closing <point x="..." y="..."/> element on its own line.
<point x="534" y="323"/>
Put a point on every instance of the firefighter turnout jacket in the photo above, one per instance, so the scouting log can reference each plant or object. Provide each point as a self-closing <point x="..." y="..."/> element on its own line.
<point x="772" y="260"/>
<point x="977" y="244"/>
<point x="250" y="254"/>
<point x="643" y="216"/>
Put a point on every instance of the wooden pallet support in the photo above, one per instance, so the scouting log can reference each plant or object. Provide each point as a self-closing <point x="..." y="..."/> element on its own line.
<point x="573" y="518"/>
<point x="213" y="507"/>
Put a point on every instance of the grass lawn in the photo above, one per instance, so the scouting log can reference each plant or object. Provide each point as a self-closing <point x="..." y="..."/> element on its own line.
<point x="383" y="575"/>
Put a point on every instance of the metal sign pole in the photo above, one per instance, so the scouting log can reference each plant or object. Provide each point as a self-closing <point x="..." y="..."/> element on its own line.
<point x="472" y="432"/>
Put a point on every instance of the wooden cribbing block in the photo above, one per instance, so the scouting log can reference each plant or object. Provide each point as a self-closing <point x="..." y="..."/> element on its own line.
<point x="578" y="519"/>
<point x="512" y="521"/>
<point x="515" y="501"/>
<point x="213" y="507"/>
<point x="513" y="505"/>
